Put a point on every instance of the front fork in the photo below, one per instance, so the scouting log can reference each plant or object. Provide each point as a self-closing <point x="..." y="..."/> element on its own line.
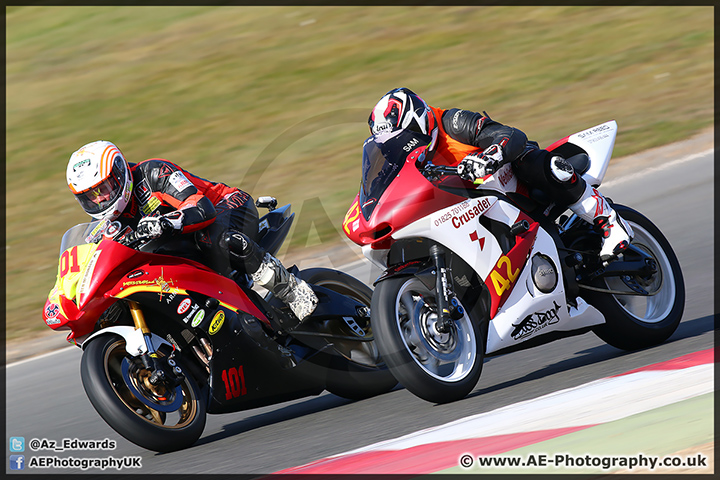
<point x="157" y="365"/>
<point x="449" y="309"/>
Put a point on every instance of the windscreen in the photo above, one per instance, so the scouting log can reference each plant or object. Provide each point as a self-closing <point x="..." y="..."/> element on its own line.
<point x="77" y="235"/>
<point x="382" y="161"/>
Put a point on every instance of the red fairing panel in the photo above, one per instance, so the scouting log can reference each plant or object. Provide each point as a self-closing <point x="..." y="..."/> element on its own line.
<point x="186" y="275"/>
<point x="501" y="280"/>
<point x="557" y="144"/>
<point x="408" y="198"/>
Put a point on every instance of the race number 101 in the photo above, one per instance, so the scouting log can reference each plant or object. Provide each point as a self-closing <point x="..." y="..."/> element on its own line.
<point x="234" y="380"/>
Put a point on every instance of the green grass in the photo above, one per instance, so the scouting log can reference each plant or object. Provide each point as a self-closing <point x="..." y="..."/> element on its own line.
<point x="275" y="99"/>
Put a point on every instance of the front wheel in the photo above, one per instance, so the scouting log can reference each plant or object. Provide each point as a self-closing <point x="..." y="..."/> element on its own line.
<point x="117" y="384"/>
<point x="437" y="367"/>
<point x="632" y="321"/>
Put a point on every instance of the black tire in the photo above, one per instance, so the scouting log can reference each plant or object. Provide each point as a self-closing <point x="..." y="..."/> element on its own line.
<point x="100" y="369"/>
<point x="369" y="376"/>
<point x="411" y="362"/>
<point x="626" y="325"/>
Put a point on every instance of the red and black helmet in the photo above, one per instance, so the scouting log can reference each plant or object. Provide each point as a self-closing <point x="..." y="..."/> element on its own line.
<point x="399" y="110"/>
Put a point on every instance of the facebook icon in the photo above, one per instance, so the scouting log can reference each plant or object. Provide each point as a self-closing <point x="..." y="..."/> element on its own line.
<point x="17" y="462"/>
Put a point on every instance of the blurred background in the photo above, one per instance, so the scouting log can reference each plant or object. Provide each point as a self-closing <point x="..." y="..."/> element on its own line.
<point x="275" y="100"/>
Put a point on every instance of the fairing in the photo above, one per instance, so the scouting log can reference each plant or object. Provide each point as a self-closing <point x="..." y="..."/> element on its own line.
<point x="92" y="276"/>
<point x="402" y="190"/>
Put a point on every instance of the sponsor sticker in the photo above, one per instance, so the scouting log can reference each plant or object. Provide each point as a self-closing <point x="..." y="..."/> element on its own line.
<point x="198" y="318"/>
<point x="474" y="212"/>
<point x="142" y="191"/>
<point x="379" y="128"/>
<point x="217" y="322"/>
<point x="85" y="282"/>
<point x="138" y="282"/>
<point x="179" y="181"/>
<point x="409" y="146"/>
<point x="135" y="274"/>
<point x="151" y="205"/>
<point x="456" y="119"/>
<point x="97" y="232"/>
<point x="112" y="229"/>
<point x="81" y="163"/>
<point x="52" y="310"/>
<point x="474" y="237"/>
<point x="529" y="325"/>
<point x="184" y="306"/>
<point x="600" y="129"/>
<point x="165" y="285"/>
<point x="192" y="311"/>
<point x="504" y="176"/>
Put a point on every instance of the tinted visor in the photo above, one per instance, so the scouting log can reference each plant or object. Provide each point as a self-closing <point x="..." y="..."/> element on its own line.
<point x="102" y="196"/>
<point x="382" y="161"/>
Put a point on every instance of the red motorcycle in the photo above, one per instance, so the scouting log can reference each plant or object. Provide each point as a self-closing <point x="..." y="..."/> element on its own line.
<point x="166" y="340"/>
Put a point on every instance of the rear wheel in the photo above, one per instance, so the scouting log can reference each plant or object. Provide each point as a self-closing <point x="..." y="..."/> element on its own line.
<point x="436" y="366"/>
<point x="359" y="371"/>
<point x="639" y="321"/>
<point x="117" y="384"/>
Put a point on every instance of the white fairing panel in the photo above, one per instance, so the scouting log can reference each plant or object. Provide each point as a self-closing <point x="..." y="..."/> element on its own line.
<point x="598" y="142"/>
<point x="457" y="228"/>
<point x="529" y="313"/>
<point x="134" y="339"/>
<point x="377" y="257"/>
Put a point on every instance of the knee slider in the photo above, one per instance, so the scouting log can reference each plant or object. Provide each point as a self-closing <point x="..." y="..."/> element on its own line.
<point x="245" y="255"/>
<point x="237" y="242"/>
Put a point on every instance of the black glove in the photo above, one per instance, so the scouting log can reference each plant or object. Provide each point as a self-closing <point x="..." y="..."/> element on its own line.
<point x="475" y="166"/>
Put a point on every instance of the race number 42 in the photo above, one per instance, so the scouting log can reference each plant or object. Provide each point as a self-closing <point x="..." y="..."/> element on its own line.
<point x="503" y="282"/>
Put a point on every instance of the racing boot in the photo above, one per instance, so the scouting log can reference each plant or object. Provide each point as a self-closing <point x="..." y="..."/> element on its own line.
<point x="595" y="209"/>
<point x="267" y="271"/>
<point x="292" y="291"/>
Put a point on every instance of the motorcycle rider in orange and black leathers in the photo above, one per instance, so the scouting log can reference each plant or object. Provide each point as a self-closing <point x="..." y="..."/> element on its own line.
<point x="479" y="146"/>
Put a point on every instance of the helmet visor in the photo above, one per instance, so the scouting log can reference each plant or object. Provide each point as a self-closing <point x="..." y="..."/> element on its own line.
<point x="103" y="196"/>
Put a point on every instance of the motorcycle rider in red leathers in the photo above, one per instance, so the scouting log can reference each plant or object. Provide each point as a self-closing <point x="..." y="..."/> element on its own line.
<point x="479" y="146"/>
<point x="156" y="197"/>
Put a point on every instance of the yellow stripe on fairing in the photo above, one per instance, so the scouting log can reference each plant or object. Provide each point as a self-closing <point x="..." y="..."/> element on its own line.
<point x="228" y="306"/>
<point x="126" y="292"/>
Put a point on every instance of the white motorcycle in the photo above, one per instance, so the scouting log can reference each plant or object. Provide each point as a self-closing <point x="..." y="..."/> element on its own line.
<point x="470" y="272"/>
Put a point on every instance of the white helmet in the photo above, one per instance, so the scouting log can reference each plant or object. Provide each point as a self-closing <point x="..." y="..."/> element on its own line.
<point x="100" y="178"/>
<point x="401" y="110"/>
